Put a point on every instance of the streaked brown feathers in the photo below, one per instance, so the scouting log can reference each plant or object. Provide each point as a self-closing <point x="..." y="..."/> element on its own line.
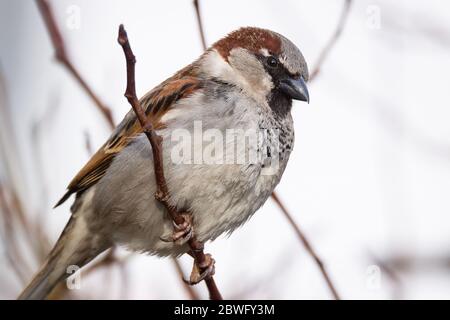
<point x="156" y="103"/>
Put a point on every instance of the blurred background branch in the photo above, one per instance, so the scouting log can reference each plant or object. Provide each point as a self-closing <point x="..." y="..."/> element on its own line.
<point x="59" y="45"/>
<point x="62" y="57"/>
<point x="303" y="239"/>
<point x="332" y="42"/>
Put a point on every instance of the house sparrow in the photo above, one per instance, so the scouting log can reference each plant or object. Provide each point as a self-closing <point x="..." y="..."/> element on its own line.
<point x="245" y="81"/>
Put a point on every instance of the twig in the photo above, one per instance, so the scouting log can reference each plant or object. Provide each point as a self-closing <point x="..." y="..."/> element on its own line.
<point x="200" y="23"/>
<point x="335" y="36"/>
<point x="62" y="57"/>
<point x="162" y="193"/>
<point x="393" y="274"/>
<point x="315" y="71"/>
<point x="308" y="247"/>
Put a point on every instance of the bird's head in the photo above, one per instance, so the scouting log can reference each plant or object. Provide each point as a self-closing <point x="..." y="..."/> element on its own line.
<point x="262" y="63"/>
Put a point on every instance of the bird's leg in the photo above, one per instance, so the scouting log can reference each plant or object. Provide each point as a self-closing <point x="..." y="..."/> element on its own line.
<point x="203" y="267"/>
<point x="182" y="231"/>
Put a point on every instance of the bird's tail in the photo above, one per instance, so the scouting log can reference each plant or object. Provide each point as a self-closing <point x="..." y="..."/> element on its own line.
<point x="75" y="247"/>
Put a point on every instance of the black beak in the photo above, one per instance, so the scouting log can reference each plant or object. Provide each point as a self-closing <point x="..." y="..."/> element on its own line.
<point x="295" y="89"/>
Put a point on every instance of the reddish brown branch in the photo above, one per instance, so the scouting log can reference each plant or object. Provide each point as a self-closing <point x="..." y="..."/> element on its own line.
<point x="315" y="71"/>
<point x="334" y="38"/>
<point x="62" y="57"/>
<point x="200" y="24"/>
<point x="308" y="246"/>
<point x="162" y="193"/>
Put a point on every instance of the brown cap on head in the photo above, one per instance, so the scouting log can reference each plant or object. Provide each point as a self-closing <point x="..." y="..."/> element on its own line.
<point x="254" y="39"/>
<point x="250" y="38"/>
<point x="262" y="62"/>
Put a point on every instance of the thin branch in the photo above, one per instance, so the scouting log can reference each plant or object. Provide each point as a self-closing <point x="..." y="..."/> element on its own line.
<point x="162" y="193"/>
<point x="315" y="71"/>
<point x="62" y="57"/>
<point x="393" y="274"/>
<point x="334" y="38"/>
<point x="200" y="23"/>
<point x="308" y="246"/>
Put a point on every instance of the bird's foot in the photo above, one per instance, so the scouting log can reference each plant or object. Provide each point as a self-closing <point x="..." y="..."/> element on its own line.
<point x="182" y="233"/>
<point x="202" y="271"/>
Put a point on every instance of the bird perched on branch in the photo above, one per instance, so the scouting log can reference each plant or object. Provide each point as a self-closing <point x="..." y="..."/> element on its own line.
<point x="227" y="135"/>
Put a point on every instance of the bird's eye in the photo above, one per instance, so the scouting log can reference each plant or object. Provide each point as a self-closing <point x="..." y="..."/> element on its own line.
<point x="272" y="62"/>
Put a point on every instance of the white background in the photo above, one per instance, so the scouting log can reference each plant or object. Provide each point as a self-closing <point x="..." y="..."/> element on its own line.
<point x="369" y="177"/>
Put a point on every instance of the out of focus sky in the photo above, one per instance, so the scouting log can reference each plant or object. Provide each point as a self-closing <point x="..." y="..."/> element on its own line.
<point x="369" y="178"/>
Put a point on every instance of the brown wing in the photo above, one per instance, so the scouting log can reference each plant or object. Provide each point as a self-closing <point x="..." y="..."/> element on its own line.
<point x="156" y="103"/>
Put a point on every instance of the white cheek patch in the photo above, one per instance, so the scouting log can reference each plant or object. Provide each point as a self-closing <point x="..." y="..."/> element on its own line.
<point x="214" y="65"/>
<point x="256" y="82"/>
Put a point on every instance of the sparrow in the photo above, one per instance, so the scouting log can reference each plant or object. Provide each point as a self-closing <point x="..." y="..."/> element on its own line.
<point x="244" y="82"/>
